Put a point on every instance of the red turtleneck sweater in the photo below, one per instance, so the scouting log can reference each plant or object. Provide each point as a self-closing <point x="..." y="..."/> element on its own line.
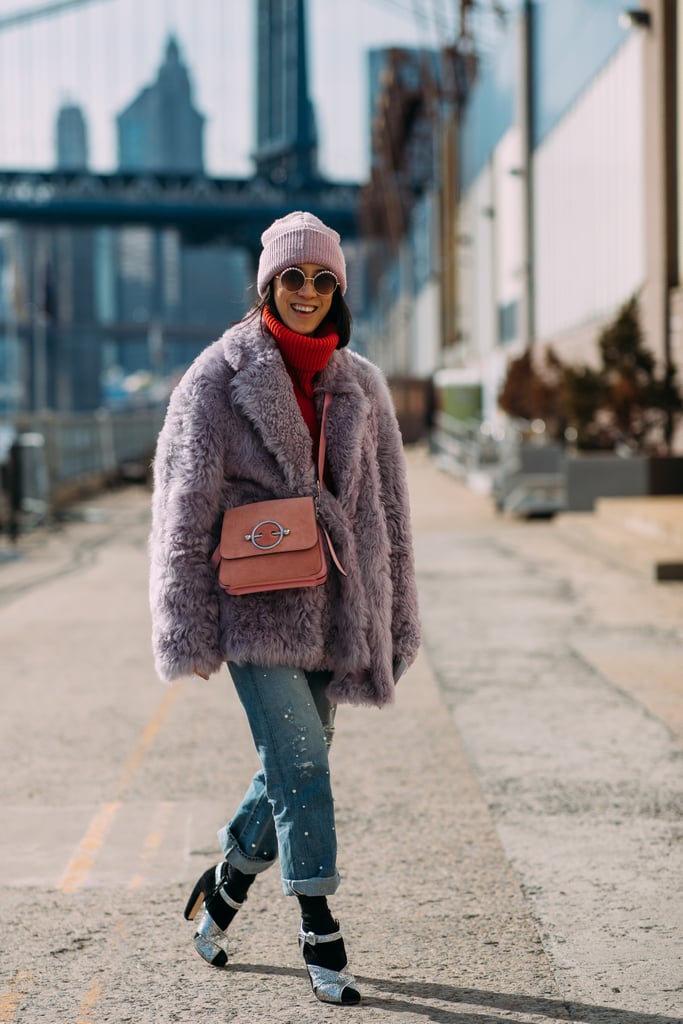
<point x="304" y="355"/>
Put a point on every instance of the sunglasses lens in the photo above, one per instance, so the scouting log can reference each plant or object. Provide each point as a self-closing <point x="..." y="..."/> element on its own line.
<point x="324" y="282"/>
<point x="293" y="279"/>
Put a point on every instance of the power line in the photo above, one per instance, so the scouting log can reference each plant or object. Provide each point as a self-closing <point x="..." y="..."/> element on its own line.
<point x="33" y="13"/>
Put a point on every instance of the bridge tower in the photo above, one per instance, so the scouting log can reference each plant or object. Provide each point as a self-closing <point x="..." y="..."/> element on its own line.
<point x="286" y="137"/>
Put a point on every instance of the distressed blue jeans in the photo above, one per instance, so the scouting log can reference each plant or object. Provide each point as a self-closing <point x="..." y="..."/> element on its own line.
<point x="288" y="810"/>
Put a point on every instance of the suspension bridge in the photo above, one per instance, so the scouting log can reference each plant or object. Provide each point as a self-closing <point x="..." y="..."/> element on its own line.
<point x="113" y="277"/>
<point x="152" y="185"/>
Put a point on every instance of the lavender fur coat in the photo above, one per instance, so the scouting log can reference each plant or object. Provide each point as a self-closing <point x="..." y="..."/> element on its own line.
<point x="234" y="434"/>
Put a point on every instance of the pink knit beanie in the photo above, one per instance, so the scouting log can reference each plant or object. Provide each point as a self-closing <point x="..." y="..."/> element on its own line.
<point x="299" y="238"/>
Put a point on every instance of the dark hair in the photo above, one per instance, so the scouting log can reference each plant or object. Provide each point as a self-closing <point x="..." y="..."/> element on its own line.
<point x="339" y="314"/>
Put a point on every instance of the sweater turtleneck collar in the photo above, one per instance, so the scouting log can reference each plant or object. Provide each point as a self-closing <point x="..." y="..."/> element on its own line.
<point x="305" y="353"/>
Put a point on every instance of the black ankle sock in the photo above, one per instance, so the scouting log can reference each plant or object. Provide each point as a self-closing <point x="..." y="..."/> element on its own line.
<point x="316" y="917"/>
<point x="237" y="883"/>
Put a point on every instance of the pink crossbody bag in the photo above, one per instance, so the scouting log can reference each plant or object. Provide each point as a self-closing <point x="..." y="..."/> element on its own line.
<point x="277" y="544"/>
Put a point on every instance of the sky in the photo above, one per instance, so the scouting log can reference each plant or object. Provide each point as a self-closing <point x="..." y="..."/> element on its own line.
<point x="102" y="54"/>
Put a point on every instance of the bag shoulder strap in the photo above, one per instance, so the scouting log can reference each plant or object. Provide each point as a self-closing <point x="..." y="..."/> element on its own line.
<point x="323" y="441"/>
<point x="321" y="481"/>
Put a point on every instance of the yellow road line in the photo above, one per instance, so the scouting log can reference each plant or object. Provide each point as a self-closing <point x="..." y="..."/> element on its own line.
<point x="79" y="866"/>
<point x="12" y="996"/>
<point x="93" y="997"/>
<point x="147" y="737"/>
<point x="89" y="1002"/>
<point x="152" y="840"/>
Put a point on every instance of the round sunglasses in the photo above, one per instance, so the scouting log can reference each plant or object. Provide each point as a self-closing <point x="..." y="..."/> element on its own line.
<point x="293" y="279"/>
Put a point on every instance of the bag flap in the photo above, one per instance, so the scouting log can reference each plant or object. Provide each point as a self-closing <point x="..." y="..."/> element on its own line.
<point x="280" y="525"/>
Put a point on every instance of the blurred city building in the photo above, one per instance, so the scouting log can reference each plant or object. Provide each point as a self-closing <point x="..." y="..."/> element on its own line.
<point x="181" y="294"/>
<point x="71" y="138"/>
<point x="47" y="354"/>
<point x="161" y="130"/>
<point x="101" y="315"/>
<point x="65" y="266"/>
<point x="399" y="212"/>
<point x="286" y="134"/>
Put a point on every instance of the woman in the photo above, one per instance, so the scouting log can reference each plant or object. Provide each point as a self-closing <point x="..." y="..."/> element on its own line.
<point x="243" y="425"/>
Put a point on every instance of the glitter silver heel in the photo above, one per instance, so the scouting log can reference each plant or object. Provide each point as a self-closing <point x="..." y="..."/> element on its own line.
<point x="217" y="911"/>
<point x="338" y="987"/>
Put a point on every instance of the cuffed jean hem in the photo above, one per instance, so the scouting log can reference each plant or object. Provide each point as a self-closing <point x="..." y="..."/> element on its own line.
<point x="238" y="858"/>
<point x="311" y="886"/>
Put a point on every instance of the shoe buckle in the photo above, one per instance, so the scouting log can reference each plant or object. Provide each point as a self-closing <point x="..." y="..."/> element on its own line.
<point x="312" y="939"/>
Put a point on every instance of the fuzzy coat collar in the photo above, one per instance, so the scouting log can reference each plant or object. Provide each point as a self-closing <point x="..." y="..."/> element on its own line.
<point x="263" y="390"/>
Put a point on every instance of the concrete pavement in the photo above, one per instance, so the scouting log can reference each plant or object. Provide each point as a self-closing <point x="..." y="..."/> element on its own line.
<point x="509" y="829"/>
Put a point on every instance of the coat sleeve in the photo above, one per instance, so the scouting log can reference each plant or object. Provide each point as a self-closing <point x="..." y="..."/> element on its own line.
<point x="405" y="626"/>
<point x="188" y="474"/>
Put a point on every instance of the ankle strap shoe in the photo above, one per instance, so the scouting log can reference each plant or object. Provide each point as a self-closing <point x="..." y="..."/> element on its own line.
<point x="217" y="911"/>
<point x="329" y="986"/>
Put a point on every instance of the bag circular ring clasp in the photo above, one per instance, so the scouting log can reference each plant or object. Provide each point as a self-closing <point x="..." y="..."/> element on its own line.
<point x="279" y="533"/>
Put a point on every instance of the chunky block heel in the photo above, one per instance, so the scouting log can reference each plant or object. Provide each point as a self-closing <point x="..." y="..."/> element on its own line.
<point x="205" y="886"/>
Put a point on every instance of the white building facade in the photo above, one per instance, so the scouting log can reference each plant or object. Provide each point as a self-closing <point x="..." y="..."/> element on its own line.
<point x="568" y="196"/>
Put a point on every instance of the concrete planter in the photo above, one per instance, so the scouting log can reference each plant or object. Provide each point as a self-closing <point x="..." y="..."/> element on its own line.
<point x="532" y="483"/>
<point x="604" y="475"/>
<point x="541" y="458"/>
